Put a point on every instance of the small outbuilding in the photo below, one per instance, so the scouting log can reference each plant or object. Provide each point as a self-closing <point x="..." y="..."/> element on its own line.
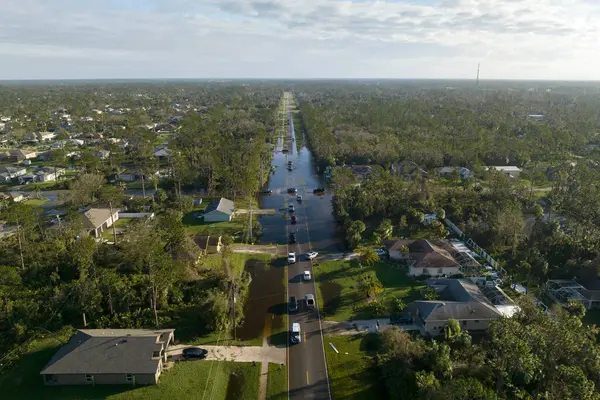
<point x="220" y="210"/>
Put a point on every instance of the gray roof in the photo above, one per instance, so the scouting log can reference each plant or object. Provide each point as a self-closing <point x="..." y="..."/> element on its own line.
<point x="95" y="217"/>
<point x="223" y="205"/>
<point x="457" y="290"/>
<point x="109" y="351"/>
<point x="444" y="310"/>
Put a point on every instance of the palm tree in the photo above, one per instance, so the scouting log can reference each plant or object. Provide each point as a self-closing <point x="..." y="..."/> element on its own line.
<point x="367" y="255"/>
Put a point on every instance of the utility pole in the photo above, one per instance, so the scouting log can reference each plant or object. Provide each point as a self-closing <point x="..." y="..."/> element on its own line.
<point x="477" y="83"/>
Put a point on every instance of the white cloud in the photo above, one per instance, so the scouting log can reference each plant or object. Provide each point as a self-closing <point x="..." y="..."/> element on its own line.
<point x="299" y="38"/>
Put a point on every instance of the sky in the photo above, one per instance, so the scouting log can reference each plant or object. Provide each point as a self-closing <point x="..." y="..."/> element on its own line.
<point x="103" y="39"/>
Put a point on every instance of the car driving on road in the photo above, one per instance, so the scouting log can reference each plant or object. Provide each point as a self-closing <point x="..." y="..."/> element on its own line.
<point x="293" y="304"/>
<point x="312" y="255"/>
<point x="293" y="219"/>
<point x="292" y="238"/>
<point x="295" y="334"/>
<point x="291" y="208"/>
<point x="194" y="353"/>
<point x="299" y="198"/>
<point x="292" y="190"/>
<point x="310" y="300"/>
<point x="291" y="258"/>
<point x="306" y="276"/>
<point x="319" y="191"/>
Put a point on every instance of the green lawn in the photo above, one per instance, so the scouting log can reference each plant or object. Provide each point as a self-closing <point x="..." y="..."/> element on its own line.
<point x="339" y="298"/>
<point x="35" y="202"/>
<point x="186" y="380"/>
<point x="238" y="260"/>
<point x="277" y="384"/>
<point x="39" y="185"/>
<point x="352" y="372"/>
<point x="119" y="224"/>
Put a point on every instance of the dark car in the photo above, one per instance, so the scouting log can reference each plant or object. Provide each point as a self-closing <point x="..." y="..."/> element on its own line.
<point x="319" y="191"/>
<point x="401" y="319"/>
<point x="292" y="190"/>
<point x="194" y="352"/>
<point x="293" y="304"/>
<point x="293" y="219"/>
<point x="268" y="191"/>
<point x="292" y="237"/>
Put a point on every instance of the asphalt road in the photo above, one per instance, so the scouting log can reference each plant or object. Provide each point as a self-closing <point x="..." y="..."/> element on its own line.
<point x="306" y="360"/>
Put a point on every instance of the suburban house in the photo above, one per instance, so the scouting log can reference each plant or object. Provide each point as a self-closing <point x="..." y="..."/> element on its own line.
<point x="8" y="173"/>
<point x="209" y="244"/>
<point x="472" y="306"/>
<point x="97" y="220"/>
<point x="425" y="257"/>
<point x="110" y="357"/>
<point x="164" y="128"/>
<point x="509" y="171"/>
<point x="221" y="210"/>
<point x="429" y="218"/>
<point x="563" y="290"/>
<point x="20" y="155"/>
<point x="48" y="174"/>
<point x="463" y="172"/>
<point x="162" y="154"/>
<point x="16" y="196"/>
<point x="408" y="170"/>
<point x="102" y="154"/>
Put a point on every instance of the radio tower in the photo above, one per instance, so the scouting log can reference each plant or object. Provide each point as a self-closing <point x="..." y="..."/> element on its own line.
<point x="477" y="83"/>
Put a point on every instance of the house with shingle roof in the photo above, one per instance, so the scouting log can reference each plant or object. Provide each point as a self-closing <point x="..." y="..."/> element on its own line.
<point x="110" y="357"/>
<point x="97" y="220"/>
<point x="425" y="257"/>
<point x="474" y="308"/>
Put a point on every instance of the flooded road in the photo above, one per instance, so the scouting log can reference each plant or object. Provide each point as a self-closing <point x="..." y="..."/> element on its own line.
<point x="324" y="232"/>
<point x="266" y="308"/>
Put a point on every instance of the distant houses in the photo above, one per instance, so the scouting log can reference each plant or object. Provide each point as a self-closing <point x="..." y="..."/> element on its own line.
<point x="463" y="173"/>
<point x="509" y="171"/>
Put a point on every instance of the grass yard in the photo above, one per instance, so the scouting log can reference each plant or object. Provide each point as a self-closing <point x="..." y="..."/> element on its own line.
<point x="352" y="372"/>
<point x="339" y="298"/>
<point x="277" y="384"/>
<point x="120" y="225"/>
<point x="36" y="202"/>
<point x="186" y="380"/>
<point x="238" y="260"/>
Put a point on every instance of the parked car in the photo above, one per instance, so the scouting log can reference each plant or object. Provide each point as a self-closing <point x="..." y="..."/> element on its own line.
<point x="299" y="198"/>
<point x="292" y="237"/>
<point x="295" y="333"/>
<point x="199" y="215"/>
<point x="292" y="190"/>
<point x="291" y="208"/>
<point x="293" y="219"/>
<point x="310" y="301"/>
<point x="401" y="319"/>
<point x="311" y="255"/>
<point x="268" y="191"/>
<point x="381" y="252"/>
<point x="290" y="168"/>
<point x="319" y="191"/>
<point x="306" y="276"/>
<point x="194" y="352"/>
<point x="293" y="305"/>
<point x="291" y="258"/>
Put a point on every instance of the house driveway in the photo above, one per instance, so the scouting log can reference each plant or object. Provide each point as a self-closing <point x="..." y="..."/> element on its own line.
<point x="361" y="326"/>
<point x="264" y="354"/>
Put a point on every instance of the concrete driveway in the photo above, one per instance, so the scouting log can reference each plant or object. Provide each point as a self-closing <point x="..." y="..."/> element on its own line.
<point x="264" y="354"/>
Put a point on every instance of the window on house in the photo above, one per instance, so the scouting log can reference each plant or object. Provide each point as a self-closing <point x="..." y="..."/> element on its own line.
<point x="129" y="377"/>
<point x="425" y="271"/>
<point x="476" y="321"/>
<point x="440" y="270"/>
<point x="88" y="378"/>
<point x="464" y="323"/>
